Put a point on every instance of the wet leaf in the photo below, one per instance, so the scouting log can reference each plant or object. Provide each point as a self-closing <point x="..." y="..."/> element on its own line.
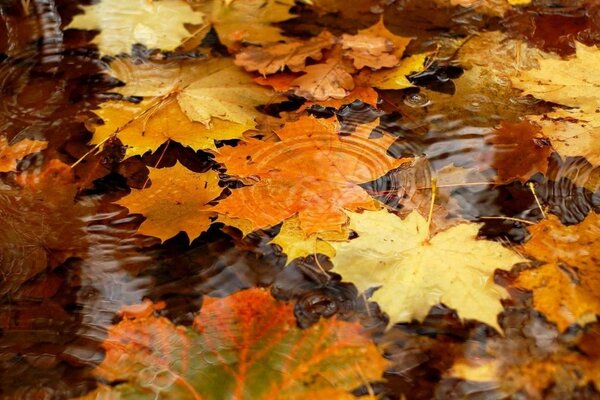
<point x="332" y="79"/>
<point x="518" y="151"/>
<point x="292" y="54"/>
<point x="46" y="224"/>
<point x="243" y="346"/>
<point x="10" y="154"/>
<point x="176" y="201"/>
<point x="280" y="185"/>
<point x="415" y="272"/>
<point x="155" y="24"/>
<point x="248" y="21"/>
<point x="576" y="128"/>
<point x="192" y="103"/>
<point x="566" y="288"/>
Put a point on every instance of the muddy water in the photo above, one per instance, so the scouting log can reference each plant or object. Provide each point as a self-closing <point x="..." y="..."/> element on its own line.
<point x="56" y="303"/>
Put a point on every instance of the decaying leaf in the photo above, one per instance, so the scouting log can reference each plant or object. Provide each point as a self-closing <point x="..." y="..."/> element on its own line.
<point x="244" y="346"/>
<point x="292" y="54"/>
<point x="282" y="185"/>
<point x="566" y="288"/>
<point x="414" y="273"/>
<point x="155" y="24"/>
<point x="576" y="129"/>
<point x="192" y="103"/>
<point x="518" y="151"/>
<point x="43" y="223"/>
<point x="10" y="154"/>
<point x="176" y="201"/>
<point x="248" y="21"/>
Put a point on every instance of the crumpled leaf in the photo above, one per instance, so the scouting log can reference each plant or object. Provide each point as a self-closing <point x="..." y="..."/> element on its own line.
<point x="291" y="54"/>
<point x="192" y="103"/>
<point x="10" y="154"/>
<point x="576" y="128"/>
<point x="155" y="24"/>
<point x="176" y="201"/>
<point x="518" y="151"/>
<point x="281" y="185"/>
<point x="244" y="346"/>
<point x="415" y="273"/>
<point x="566" y="288"/>
<point x="248" y="21"/>
<point x="44" y="224"/>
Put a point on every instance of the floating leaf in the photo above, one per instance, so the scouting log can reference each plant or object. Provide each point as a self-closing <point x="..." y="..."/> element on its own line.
<point x="11" y="154"/>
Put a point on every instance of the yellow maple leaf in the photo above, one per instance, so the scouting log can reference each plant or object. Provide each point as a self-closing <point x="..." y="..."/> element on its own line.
<point x="395" y="78"/>
<point x="566" y="288"/>
<point x="192" y="103"/>
<point x="176" y="201"/>
<point x="155" y="24"/>
<point x="414" y="273"/>
<point x="296" y="244"/>
<point x="249" y="21"/>
<point x="10" y="154"/>
<point x="572" y="131"/>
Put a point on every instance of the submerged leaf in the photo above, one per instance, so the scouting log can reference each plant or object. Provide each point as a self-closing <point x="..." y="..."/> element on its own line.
<point x="10" y="154"/>
<point x="244" y="346"/>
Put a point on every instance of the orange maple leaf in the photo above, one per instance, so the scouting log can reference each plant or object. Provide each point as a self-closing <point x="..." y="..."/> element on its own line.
<point x="244" y="346"/>
<point x="312" y="171"/>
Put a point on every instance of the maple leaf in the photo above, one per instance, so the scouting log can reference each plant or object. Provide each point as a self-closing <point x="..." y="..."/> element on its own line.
<point x="415" y="273"/>
<point x="576" y="129"/>
<point x="394" y="78"/>
<point x="565" y="289"/>
<point x="292" y="54"/>
<point x="176" y="201"/>
<point x="281" y="185"/>
<point x="46" y="224"/>
<point x="332" y="79"/>
<point x="192" y="103"/>
<point x="518" y="151"/>
<point x="375" y="47"/>
<point x="244" y="346"/>
<point x="248" y="21"/>
<point x="296" y="244"/>
<point x="532" y="361"/>
<point x="11" y="154"/>
<point x="155" y="24"/>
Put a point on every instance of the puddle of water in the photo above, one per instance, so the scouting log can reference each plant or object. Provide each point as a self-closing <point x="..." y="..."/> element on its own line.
<point x="70" y="259"/>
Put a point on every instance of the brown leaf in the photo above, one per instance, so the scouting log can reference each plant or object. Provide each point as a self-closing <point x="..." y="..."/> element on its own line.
<point x="323" y="81"/>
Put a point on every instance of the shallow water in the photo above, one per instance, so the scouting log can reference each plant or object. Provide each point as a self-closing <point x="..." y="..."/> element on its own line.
<point x="70" y="258"/>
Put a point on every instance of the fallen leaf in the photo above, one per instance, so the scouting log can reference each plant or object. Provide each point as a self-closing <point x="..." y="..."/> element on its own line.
<point x="395" y="78"/>
<point x="291" y="54"/>
<point x="375" y="47"/>
<point x="549" y="82"/>
<point x="155" y="24"/>
<point x="10" y="154"/>
<point x="192" y="103"/>
<point x="281" y="186"/>
<point x="566" y="288"/>
<point x="532" y="361"/>
<point x="244" y="346"/>
<point x="176" y="201"/>
<point x="46" y="224"/>
<point x="331" y="79"/>
<point x="518" y="151"/>
<point x="414" y="272"/>
<point x="296" y="244"/>
<point x="247" y="21"/>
